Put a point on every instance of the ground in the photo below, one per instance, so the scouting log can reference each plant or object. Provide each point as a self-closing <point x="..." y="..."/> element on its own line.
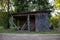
<point x="7" y="36"/>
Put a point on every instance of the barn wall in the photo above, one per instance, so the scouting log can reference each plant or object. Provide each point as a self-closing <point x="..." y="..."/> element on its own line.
<point x="41" y="22"/>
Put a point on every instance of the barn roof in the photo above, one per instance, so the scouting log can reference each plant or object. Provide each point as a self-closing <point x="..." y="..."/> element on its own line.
<point x="30" y="13"/>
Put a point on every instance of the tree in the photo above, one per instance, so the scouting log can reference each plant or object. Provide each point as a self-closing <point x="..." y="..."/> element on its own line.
<point x="55" y="20"/>
<point x="3" y="14"/>
<point x="3" y="4"/>
<point x="57" y="4"/>
<point x="31" y="5"/>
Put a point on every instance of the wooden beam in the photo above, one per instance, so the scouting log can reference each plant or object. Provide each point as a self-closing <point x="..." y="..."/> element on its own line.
<point x="11" y="22"/>
<point x="27" y="14"/>
<point x="28" y="22"/>
<point x="23" y="27"/>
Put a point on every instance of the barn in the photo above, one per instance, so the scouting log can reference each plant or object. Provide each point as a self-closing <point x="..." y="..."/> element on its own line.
<point x="30" y="21"/>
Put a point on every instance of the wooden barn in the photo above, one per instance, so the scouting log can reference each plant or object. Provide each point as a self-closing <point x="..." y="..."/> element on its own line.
<point x="30" y="21"/>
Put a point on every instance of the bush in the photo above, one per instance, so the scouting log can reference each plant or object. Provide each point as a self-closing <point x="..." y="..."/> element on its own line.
<point x="4" y="19"/>
<point x="55" y="20"/>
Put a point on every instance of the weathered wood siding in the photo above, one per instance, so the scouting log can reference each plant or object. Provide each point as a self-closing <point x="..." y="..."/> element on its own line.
<point x="41" y="22"/>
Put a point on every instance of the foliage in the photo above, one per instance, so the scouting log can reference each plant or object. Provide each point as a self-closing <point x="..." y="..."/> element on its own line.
<point x="30" y="5"/>
<point x="57" y="4"/>
<point x="4" y="19"/>
<point x="55" y="20"/>
<point x="6" y="5"/>
<point x="25" y="5"/>
<point x="3" y="4"/>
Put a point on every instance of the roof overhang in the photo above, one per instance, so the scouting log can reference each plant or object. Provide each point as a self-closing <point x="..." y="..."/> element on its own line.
<point x="30" y="13"/>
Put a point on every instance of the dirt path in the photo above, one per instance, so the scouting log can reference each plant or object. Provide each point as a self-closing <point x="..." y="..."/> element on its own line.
<point x="29" y="36"/>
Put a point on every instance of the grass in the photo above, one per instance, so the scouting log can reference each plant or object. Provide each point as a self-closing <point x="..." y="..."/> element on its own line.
<point x="2" y="30"/>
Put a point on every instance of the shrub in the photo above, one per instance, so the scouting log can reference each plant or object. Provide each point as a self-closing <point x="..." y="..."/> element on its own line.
<point x="4" y="19"/>
<point x="55" y="20"/>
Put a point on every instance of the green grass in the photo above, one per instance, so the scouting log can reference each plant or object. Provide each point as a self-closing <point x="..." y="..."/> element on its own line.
<point x="7" y="31"/>
<point x="2" y="30"/>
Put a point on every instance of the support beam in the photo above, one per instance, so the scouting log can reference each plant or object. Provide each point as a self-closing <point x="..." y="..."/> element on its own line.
<point x="23" y="27"/>
<point x="11" y="22"/>
<point x="28" y="22"/>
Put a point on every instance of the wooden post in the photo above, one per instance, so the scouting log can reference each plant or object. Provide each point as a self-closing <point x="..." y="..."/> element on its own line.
<point x="11" y="22"/>
<point x="28" y="22"/>
<point x="37" y="23"/>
